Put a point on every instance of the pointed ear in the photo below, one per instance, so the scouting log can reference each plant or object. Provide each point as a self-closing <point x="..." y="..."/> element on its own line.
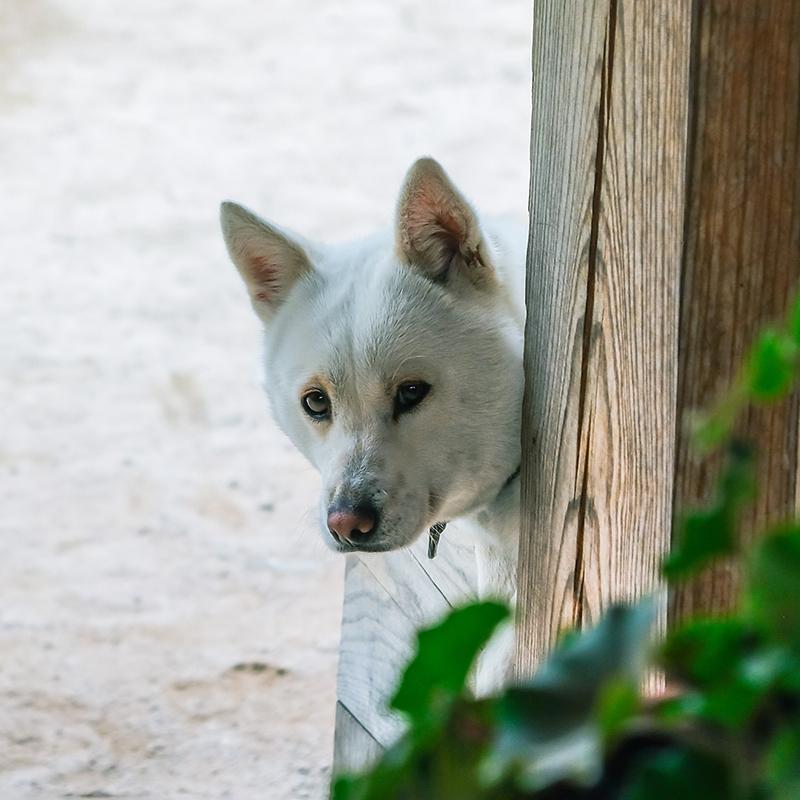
<point x="437" y="232"/>
<point x="267" y="259"/>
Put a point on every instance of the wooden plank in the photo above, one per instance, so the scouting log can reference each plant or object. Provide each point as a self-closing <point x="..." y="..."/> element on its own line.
<point x="742" y="245"/>
<point x="453" y="570"/>
<point x="354" y="748"/>
<point x="452" y="573"/>
<point x="606" y="205"/>
<point x="388" y="597"/>
<point x="628" y="422"/>
<point x="376" y="640"/>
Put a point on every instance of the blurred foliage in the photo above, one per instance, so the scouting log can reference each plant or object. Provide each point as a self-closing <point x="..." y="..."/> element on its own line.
<point x="769" y="372"/>
<point x="580" y="727"/>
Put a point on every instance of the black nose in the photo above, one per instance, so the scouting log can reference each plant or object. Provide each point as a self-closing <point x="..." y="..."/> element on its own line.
<point x="354" y="525"/>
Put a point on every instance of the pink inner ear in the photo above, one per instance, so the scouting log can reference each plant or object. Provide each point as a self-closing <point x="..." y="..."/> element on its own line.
<point x="429" y="208"/>
<point x="264" y="275"/>
<point x="450" y="223"/>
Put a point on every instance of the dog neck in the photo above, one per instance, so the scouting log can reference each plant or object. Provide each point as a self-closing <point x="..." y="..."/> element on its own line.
<point x="497" y="542"/>
<point x="436" y="530"/>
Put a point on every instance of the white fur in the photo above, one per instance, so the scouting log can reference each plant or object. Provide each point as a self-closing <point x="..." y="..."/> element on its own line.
<point x="439" y="298"/>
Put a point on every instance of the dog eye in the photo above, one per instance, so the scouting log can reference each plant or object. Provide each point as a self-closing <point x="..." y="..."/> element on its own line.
<point x="316" y="404"/>
<point x="409" y="395"/>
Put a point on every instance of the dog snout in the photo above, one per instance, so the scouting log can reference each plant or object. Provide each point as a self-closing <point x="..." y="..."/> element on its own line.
<point x="352" y="524"/>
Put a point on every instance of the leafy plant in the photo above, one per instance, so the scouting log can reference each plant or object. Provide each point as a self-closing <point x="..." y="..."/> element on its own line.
<point x="581" y="727"/>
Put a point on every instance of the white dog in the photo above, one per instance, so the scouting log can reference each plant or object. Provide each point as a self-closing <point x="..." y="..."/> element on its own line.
<point x="395" y="365"/>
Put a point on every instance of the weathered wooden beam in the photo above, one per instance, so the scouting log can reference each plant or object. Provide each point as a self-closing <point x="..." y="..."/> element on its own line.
<point x="354" y="747"/>
<point x="741" y="260"/>
<point x="388" y="598"/>
<point x="606" y="213"/>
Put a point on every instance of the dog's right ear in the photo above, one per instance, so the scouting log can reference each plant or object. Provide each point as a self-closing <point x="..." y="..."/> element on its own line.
<point x="437" y="232"/>
<point x="267" y="259"/>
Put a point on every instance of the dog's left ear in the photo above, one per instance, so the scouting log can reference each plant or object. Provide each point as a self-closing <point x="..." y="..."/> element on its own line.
<point x="437" y="232"/>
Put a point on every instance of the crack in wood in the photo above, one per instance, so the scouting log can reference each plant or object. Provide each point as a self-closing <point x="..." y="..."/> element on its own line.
<point x="421" y="565"/>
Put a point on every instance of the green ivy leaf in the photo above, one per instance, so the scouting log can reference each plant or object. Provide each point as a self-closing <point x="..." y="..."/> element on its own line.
<point x="684" y="706"/>
<point x="782" y="766"/>
<point x="453" y="770"/>
<point x="400" y="773"/>
<point x="794" y="321"/>
<point x="770" y="367"/>
<point x="709" y="430"/>
<point x="731" y="704"/>
<point x="711" y="532"/>
<point x="705" y="535"/>
<point x="445" y="654"/>
<point x="773" y="596"/>
<point x="349" y="787"/>
<point x="617" y="703"/>
<point x="679" y="772"/>
<point x="550" y="728"/>
<point x="705" y="651"/>
<point x="772" y="667"/>
<point x="729" y="668"/>
<point x="769" y="372"/>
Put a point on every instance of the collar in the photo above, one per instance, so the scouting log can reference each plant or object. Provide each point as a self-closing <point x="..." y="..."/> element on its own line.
<point x="510" y="479"/>
<point x="435" y="532"/>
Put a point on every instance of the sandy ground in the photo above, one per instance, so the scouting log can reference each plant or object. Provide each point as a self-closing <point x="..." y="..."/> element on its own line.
<point x="168" y="614"/>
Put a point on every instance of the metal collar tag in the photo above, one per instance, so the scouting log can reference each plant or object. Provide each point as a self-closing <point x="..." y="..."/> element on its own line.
<point x="433" y="538"/>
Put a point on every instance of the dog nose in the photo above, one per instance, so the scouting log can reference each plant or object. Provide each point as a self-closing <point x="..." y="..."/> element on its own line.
<point x="352" y="525"/>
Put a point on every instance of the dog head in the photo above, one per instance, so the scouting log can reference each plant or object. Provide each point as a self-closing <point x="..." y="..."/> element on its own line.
<point x="393" y="364"/>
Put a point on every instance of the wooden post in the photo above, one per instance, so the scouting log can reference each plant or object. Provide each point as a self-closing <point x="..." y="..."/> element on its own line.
<point x="664" y="228"/>
<point x="742" y="244"/>
<point x="608" y="147"/>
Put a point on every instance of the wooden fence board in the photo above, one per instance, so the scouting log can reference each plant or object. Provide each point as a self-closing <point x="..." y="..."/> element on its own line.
<point x="353" y="746"/>
<point x="388" y="597"/>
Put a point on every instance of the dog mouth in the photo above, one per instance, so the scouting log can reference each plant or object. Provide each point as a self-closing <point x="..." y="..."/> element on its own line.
<point x="366" y="547"/>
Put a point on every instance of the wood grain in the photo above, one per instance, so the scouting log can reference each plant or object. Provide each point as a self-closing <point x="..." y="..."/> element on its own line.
<point x="606" y="204"/>
<point x="568" y="49"/>
<point x="742" y="246"/>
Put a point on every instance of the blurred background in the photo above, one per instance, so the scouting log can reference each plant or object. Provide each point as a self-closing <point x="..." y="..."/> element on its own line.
<point x="168" y="613"/>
